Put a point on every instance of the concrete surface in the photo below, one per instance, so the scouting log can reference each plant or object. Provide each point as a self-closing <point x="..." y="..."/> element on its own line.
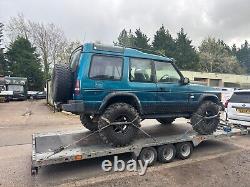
<point x="213" y="163"/>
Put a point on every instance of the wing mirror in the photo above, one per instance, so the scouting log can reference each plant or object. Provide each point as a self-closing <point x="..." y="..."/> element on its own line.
<point x="185" y="80"/>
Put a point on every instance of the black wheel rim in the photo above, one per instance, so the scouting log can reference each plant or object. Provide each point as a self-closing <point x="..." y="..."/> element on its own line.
<point x="209" y="113"/>
<point x="121" y="128"/>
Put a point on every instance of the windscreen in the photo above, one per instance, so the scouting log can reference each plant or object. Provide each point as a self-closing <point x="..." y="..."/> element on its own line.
<point x="240" y="97"/>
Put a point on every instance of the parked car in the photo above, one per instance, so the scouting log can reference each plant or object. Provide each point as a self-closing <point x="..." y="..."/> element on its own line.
<point x="30" y="94"/>
<point x="226" y="94"/>
<point x="238" y="107"/>
<point x="40" y="95"/>
<point x="6" y="96"/>
<point x="112" y="88"/>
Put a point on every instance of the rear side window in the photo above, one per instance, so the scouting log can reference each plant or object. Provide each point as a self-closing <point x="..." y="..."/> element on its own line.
<point x="74" y="60"/>
<point x="106" y="68"/>
<point x="240" y="97"/>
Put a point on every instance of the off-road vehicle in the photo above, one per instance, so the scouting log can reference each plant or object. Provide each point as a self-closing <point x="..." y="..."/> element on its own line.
<point x="113" y="88"/>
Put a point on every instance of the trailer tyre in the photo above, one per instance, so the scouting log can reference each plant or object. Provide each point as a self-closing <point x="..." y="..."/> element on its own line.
<point x="149" y="155"/>
<point x="166" y="153"/>
<point x="165" y="121"/>
<point x="88" y="122"/>
<point x="61" y="83"/>
<point x="119" y="135"/>
<point x="206" y="126"/>
<point x="184" y="150"/>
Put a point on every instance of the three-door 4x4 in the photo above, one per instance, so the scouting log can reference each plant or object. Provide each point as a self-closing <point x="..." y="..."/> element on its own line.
<point x="113" y="88"/>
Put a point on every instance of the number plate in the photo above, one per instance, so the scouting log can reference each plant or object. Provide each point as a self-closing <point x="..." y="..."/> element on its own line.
<point x="243" y="110"/>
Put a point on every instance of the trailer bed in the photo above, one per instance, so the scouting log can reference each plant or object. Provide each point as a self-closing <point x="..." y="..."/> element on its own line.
<point x="44" y="144"/>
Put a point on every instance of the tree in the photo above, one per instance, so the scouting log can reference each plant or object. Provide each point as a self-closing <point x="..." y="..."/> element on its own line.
<point x="185" y="55"/>
<point x="18" y="27"/>
<point x="48" y="39"/>
<point x="215" y="57"/>
<point x="65" y="56"/>
<point x="163" y="42"/>
<point x="24" y="62"/>
<point x="141" y="40"/>
<point x="1" y="35"/>
<point x="243" y="55"/>
<point x="234" y="50"/>
<point x="125" y="39"/>
<point x="50" y="43"/>
<point x="3" y="62"/>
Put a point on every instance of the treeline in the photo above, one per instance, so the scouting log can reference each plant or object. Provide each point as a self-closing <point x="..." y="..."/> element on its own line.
<point x="211" y="56"/>
<point x="35" y="47"/>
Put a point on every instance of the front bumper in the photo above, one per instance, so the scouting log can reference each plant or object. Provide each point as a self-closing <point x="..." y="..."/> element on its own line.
<point x="74" y="106"/>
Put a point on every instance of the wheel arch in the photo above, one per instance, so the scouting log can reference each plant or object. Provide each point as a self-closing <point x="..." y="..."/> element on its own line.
<point x="209" y="97"/>
<point x="116" y="97"/>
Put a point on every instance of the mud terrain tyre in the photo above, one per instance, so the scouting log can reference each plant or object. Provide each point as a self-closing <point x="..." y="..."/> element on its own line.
<point x="88" y="122"/>
<point x="206" y="126"/>
<point x="119" y="135"/>
<point x="165" y="121"/>
<point x="61" y="83"/>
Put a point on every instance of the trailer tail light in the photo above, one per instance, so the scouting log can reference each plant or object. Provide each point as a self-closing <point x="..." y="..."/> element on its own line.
<point x="78" y="157"/>
<point x="77" y="87"/>
<point x="226" y="103"/>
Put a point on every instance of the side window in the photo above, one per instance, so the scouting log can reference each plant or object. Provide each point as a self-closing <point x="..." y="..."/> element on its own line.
<point x="165" y="72"/>
<point x="140" y="70"/>
<point x="106" y="68"/>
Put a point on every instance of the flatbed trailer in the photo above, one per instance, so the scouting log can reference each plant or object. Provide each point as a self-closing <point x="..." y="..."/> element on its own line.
<point x="45" y="144"/>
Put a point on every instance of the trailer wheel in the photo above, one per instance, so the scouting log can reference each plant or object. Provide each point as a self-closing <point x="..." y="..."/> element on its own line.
<point x="166" y="153"/>
<point x="148" y="155"/>
<point x="184" y="150"/>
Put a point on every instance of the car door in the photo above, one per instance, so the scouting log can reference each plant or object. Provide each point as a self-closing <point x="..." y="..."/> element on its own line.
<point x="172" y="95"/>
<point x="142" y="83"/>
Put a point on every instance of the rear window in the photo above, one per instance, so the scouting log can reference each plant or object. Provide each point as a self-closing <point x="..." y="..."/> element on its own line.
<point x="240" y="97"/>
<point x="74" y="59"/>
<point x="106" y="68"/>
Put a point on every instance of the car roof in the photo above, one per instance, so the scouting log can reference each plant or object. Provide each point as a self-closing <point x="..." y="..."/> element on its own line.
<point x="120" y="51"/>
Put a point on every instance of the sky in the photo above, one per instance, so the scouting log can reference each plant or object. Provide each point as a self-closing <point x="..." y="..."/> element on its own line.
<point x="103" y="20"/>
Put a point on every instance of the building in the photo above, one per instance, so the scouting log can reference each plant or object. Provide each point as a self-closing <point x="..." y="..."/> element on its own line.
<point x="218" y="79"/>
